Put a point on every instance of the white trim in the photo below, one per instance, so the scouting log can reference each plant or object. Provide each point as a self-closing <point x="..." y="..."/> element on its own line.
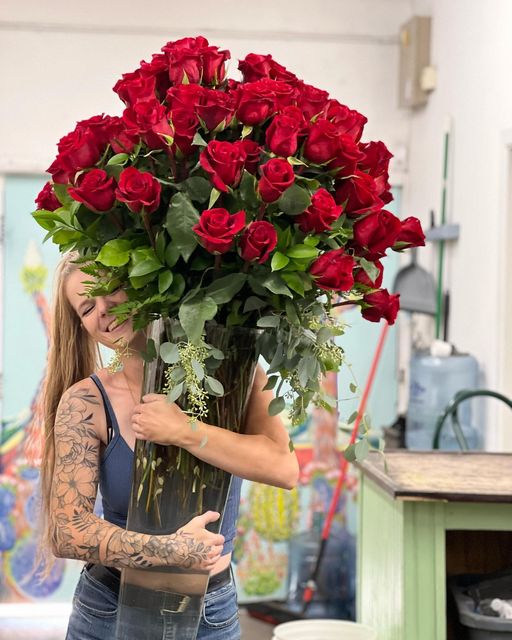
<point x="500" y="437"/>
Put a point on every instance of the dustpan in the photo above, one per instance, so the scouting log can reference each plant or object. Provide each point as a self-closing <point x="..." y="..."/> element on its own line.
<point x="417" y="288"/>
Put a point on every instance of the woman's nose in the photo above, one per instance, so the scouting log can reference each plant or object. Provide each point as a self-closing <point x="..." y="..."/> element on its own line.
<point x="103" y="305"/>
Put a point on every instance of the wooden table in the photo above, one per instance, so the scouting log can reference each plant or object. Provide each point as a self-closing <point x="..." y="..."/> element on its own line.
<point x="425" y="516"/>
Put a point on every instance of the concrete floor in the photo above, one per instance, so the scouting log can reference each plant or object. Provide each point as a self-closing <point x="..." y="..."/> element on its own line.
<point x="55" y="629"/>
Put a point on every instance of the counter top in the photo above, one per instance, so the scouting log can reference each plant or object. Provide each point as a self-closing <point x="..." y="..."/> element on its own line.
<point x="442" y="475"/>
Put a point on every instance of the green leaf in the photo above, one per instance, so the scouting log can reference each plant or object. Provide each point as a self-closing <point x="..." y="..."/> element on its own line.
<point x="194" y="313"/>
<point x="247" y="190"/>
<point x="312" y="241"/>
<point x="294" y="281"/>
<point x="295" y="161"/>
<point x="276" y="406"/>
<point x="300" y="251"/>
<point x="370" y="268"/>
<point x="197" y="188"/>
<point x="213" y="386"/>
<point x="246" y="131"/>
<point x="138" y="282"/>
<point x="352" y="417"/>
<point x="165" y="279"/>
<point x="279" y="261"/>
<point x="214" y="196"/>
<point x="253" y="303"/>
<point x="198" y="369"/>
<point x="199" y="141"/>
<point x="291" y="313"/>
<point x="175" y="392"/>
<point x="350" y="453"/>
<point x="172" y="254"/>
<point x="169" y="352"/>
<point x="181" y="217"/>
<point x="290" y="445"/>
<point x="294" y="200"/>
<point x="160" y="246"/>
<point x="268" y="321"/>
<point x="271" y="383"/>
<point x="284" y="238"/>
<point x="323" y="335"/>
<point x="61" y="191"/>
<point x="119" y="158"/>
<point x="352" y="387"/>
<point x="273" y="282"/>
<point x="362" y="449"/>
<point x="225" y="289"/>
<point x="115" y="253"/>
<point x="144" y="262"/>
<point x="150" y="353"/>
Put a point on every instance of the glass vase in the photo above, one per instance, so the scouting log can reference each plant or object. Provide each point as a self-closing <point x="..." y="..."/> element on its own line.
<point x="171" y="486"/>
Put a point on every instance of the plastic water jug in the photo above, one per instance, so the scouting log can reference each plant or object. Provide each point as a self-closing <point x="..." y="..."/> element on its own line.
<point x="323" y="630"/>
<point x="433" y="383"/>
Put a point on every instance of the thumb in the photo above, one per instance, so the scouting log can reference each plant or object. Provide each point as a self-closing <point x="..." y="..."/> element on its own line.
<point x="153" y="397"/>
<point x="206" y="518"/>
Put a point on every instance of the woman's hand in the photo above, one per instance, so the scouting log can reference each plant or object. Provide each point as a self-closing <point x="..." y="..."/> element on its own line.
<point x="201" y="548"/>
<point x="160" y="421"/>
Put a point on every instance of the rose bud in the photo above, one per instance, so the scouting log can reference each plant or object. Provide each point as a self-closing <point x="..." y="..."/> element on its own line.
<point x="217" y="229"/>
<point x="215" y="107"/>
<point x="282" y="135"/>
<point x="277" y="176"/>
<point x="382" y="305"/>
<point x="224" y="162"/>
<point x="214" y="69"/>
<point x="95" y="189"/>
<point x="311" y="100"/>
<point x="148" y="120"/>
<point x="361" y="277"/>
<point x="139" y="190"/>
<point x="320" y="214"/>
<point x="258" y="240"/>
<point x="255" y="66"/>
<point x="346" y="120"/>
<point x="333" y="270"/>
<point x="358" y="194"/>
<point x="134" y="87"/>
<point x="411" y="233"/>
<point x="185" y="125"/>
<point x="47" y="199"/>
<point x="376" y="232"/>
<point x="256" y="101"/>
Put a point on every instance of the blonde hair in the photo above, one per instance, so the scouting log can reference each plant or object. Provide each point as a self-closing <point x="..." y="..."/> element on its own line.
<point x="72" y="356"/>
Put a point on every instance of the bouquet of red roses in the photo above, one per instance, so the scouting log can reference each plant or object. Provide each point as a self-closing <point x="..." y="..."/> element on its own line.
<point x="247" y="202"/>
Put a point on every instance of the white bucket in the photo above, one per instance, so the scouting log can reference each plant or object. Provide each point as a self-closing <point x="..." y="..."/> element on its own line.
<point x="323" y="630"/>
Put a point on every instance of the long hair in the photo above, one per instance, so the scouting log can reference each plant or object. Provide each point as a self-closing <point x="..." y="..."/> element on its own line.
<point x="72" y="356"/>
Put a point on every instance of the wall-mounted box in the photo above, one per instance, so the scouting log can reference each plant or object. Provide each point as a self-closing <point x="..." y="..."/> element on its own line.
<point x="414" y="57"/>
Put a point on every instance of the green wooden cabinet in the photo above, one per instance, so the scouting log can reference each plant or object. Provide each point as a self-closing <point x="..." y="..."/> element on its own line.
<point x="426" y="516"/>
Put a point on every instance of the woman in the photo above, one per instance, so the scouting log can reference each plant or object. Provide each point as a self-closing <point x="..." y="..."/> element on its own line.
<point x="92" y="422"/>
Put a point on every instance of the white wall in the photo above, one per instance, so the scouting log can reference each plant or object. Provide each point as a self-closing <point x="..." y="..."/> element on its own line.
<point x="60" y="59"/>
<point x="472" y="50"/>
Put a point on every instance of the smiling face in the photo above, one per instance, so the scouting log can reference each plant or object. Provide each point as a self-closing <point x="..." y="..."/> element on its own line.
<point x="95" y="315"/>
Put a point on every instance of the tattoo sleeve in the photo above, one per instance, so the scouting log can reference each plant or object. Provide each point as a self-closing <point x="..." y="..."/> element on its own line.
<point x="78" y="532"/>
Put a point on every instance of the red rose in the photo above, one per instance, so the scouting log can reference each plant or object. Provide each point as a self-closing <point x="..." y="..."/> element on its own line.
<point x="375" y="161"/>
<point x="139" y="190"/>
<point x="346" y="120"/>
<point x="77" y="150"/>
<point x="376" y="233"/>
<point x="286" y="94"/>
<point x="253" y="151"/>
<point x="254" y="67"/>
<point x="47" y="199"/>
<point x="347" y="156"/>
<point x="184" y="96"/>
<point x="358" y="194"/>
<point x="322" y="143"/>
<point x="148" y="120"/>
<point x="102" y="127"/>
<point x="158" y="68"/>
<point x="120" y="140"/>
<point x="277" y="176"/>
<point x="224" y="162"/>
<point x="311" y="100"/>
<point x="217" y="229"/>
<point x="185" y="125"/>
<point x="134" y="87"/>
<point x="382" y="305"/>
<point x="96" y="190"/>
<point x="258" y="240"/>
<point x="320" y="214"/>
<point x="192" y="60"/>
<point x="256" y="102"/>
<point x="214" y="107"/>
<point x="282" y="135"/>
<point x="333" y="271"/>
<point x="411" y="233"/>
<point x="214" y="69"/>
<point x="362" y="277"/>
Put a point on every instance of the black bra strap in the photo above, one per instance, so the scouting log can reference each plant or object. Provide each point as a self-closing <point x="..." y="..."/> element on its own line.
<point x="109" y="412"/>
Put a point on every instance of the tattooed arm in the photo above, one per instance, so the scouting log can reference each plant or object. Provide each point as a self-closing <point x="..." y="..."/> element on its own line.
<point x="80" y="534"/>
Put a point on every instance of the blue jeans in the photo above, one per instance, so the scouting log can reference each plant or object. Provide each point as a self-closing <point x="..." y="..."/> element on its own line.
<point x="94" y="612"/>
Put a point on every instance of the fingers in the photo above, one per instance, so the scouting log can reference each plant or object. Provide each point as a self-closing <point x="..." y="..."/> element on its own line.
<point x="206" y="518"/>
